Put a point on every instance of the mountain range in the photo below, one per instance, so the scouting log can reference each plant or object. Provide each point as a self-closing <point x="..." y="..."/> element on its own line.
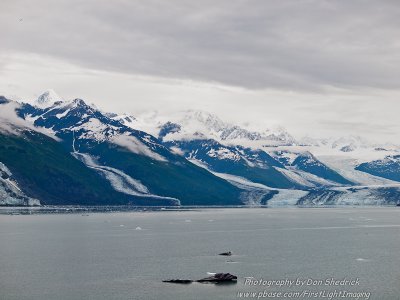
<point x="58" y="152"/>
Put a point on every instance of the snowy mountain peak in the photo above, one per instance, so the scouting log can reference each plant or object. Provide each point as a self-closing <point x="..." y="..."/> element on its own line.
<point x="211" y="121"/>
<point x="211" y="126"/>
<point x="47" y="99"/>
<point x="198" y="124"/>
<point x="344" y="144"/>
<point x="79" y="102"/>
<point x="349" y="144"/>
<point x="124" y="119"/>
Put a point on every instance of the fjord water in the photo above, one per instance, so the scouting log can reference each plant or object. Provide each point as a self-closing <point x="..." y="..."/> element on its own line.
<point x="126" y="255"/>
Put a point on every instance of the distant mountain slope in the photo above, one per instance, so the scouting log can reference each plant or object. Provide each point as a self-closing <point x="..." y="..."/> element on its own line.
<point x="255" y="165"/>
<point x="389" y="167"/>
<point x="46" y="171"/>
<point x="131" y="160"/>
<point x="228" y="153"/>
<point x="176" y="177"/>
<point x="10" y="192"/>
<point x="307" y="162"/>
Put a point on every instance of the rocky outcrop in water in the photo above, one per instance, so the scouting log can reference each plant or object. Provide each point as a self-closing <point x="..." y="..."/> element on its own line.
<point x="216" y="278"/>
<point x="219" y="277"/>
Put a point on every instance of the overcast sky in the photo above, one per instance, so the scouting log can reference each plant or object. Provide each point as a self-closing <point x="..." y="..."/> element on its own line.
<point x="319" y="68"/>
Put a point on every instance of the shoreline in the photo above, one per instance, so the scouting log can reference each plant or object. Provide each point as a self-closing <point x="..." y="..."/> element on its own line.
<point x="29" y="210"/>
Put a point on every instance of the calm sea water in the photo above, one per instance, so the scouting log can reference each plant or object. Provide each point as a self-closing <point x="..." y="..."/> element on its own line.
<point x="126" y="255"/>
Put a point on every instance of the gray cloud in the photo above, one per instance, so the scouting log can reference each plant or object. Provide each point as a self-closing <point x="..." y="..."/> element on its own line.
<point x="319" y="68"/>
<point x="291" y="45"/>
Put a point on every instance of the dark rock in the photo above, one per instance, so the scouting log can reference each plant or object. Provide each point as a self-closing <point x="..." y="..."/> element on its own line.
<point x="168" y="128"/>
<point x="3" y="100"/>
<point x="183" y="281"/>
<point x="216" y="278"/>
<point x="229" y="253"/>
<point x="219" y="277"/>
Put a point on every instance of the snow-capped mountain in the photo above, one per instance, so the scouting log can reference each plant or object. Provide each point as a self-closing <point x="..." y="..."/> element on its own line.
<point x="255" y="165"/>
<point x="198" y="122"/>
<point x="195" y="124"/>
<point x="55" y="151"/>
<point x="343" y="144"/>
<point x="388" y="167"/>
<point x="227" y="150"/>
<point x="305" y="161"/>
<point x="124" y="119"/>
<point x="133" y="162"/>
<point x="221" y="146"/>
<point x="48" y="98"/>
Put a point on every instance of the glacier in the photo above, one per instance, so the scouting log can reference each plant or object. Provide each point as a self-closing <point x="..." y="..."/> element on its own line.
<point x="10" y="193"/>
<point x="268" y="166"/>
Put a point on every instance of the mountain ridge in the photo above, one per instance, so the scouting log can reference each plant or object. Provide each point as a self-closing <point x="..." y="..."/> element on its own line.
<point x="198" y="159"/>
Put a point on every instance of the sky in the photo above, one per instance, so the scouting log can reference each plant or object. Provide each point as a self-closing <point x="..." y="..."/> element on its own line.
<point x="318" y="68"/>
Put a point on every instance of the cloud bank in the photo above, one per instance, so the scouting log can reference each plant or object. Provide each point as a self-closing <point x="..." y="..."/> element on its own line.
<point x="330" y="64"/>
<point x="254" y="44"/>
